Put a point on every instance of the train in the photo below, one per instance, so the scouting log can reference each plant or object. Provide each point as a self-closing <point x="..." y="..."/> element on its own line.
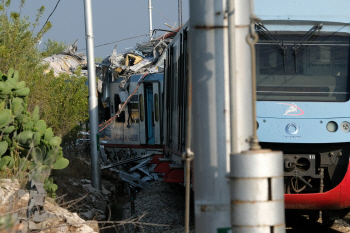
<point x="302" y="67"/>
<point x="302" y="96"/>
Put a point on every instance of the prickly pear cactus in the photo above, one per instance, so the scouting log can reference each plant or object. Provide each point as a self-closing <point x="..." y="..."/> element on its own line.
<point x="50" y="187"/>
<point x="26" y="144"/>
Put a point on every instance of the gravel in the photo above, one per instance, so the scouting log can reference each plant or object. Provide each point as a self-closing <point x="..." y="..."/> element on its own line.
<point x="162" y="204"/>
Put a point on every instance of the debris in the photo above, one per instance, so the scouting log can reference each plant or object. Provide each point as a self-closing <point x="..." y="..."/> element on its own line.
<point x="67" y="61"/>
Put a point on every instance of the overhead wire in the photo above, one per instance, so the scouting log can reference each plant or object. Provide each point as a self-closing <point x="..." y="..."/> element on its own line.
<point x="162" y="15"/>
<point x="47" y="20"/>
<point x="117" y="41"/>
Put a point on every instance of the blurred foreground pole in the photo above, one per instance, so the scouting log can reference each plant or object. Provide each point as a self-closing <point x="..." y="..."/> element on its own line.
<point x="93" y="104"/>
<point x="257" y="195"/>
<point x="211" y="146"/>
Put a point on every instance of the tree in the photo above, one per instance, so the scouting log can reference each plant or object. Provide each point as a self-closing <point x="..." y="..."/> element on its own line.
<point x="18" y="44"/>
<point x="52" y="47"/>
<point x="98" y="59"/>
<point x="63" y="101"/>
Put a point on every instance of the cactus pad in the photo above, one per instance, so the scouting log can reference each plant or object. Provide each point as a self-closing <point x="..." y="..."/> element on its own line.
<point x="25" y="137"/>
<point x="56" y="141"/>
<point x="48" y="134"/>
<point x="10" y="72"/>
<point x="60" y="164"/>
<point x="8" y="130"/>
<point x="35" y="114"/>
<point x="16" y="75"/>
<point x="5" y="117"/>
<point x="20" y="85"/>
<point x="4" y="161"/>
<point x="22" y="92"/>
<point x="3" y="147"/>
<point x="41" y="125"/>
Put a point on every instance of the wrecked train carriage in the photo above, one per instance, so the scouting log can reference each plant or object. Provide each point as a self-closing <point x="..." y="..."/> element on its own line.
<point x="133" y="135"/>
<point x="136" y="117"/>
<point x="147" y="57"/>
<point x="131" y="127"/>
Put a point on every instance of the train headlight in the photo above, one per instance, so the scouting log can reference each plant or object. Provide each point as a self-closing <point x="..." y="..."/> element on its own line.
<point x="332" y="126"/>
<point x="345" y="127"/>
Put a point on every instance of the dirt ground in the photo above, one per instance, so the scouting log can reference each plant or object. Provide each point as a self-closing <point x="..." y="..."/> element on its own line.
<point x="76" y="194"/>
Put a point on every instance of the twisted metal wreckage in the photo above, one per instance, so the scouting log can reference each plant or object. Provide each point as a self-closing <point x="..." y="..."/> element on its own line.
<point x="133" y="167"/>
<point x="67" y="61"/>
<point x="146" y="57"/>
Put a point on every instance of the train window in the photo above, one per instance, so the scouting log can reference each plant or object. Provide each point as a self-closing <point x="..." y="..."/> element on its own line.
<point x="117" y="105"/>
<point x="156" y="106"/>
<point x="134" y="114"/>
<point x="116" y="102"/>
<point x="294" y="69"/>
<point x="134" y="98"/>
<point x="142" y="109"/>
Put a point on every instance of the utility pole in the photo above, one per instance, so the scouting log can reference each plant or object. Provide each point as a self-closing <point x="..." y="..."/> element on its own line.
<point x="93" y="103"/>
<point x="150" y="19"/>
<point x="256" y="175"/>
<point x="211" y="146"/>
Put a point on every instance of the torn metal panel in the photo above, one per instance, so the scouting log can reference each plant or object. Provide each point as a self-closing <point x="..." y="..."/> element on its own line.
<point x="132" y="180"/>
<point x="65" y="62"/>
<point x="127" y="161"/>
<point x="131" y="59"/>
<point x="139" y="165"/>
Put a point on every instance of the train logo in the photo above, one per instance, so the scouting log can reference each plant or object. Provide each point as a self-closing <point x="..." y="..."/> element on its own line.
<point x="293" y="110"/>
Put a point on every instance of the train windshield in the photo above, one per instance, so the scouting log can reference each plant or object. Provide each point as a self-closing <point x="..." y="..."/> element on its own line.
<point x="292" y="68"/>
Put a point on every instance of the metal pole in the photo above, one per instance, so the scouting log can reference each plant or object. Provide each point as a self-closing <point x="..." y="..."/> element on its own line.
<point x="210" y="86"/>
<point x="257" y="197"/>
<point x="150" y="18"/>
<point x="240" y="70"/>
<point x="93" y="104"/>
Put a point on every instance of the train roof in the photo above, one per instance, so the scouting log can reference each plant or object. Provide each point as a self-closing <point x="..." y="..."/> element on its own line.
<point x="305" y="10"/>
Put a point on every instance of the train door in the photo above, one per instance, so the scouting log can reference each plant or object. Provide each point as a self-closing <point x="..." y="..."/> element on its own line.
<point x="150" y="115"/>
<point x="156" y="117"/>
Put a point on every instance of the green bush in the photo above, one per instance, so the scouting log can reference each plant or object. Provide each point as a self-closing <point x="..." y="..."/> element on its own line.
<point x="63" y="101"/>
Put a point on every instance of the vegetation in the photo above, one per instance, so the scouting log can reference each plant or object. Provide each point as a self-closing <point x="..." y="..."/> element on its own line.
<point x="27" y="146"/>
<point x="60" y="102"/>
<point x="63" y="101"/>
<point x="52" y="47"/>
<point x="98" y="59"/>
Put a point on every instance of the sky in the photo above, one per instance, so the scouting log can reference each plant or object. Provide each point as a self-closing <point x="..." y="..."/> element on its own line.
<point x="113" y="20"/>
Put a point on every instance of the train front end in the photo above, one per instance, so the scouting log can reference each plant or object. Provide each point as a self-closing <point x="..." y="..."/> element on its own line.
<point x="303" y="105"/>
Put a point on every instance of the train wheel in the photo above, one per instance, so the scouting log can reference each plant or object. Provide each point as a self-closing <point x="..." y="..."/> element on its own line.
<point x="314" y="216"/>
<point x="326" y="220"/>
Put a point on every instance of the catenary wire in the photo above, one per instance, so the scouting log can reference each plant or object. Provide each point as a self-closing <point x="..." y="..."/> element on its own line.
<point x="162" y="15"/>
<point x="116" y="41"/>
<point x="49" y="16"/>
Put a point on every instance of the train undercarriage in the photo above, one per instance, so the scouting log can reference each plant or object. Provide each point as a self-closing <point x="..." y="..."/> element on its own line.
<point x="315" y="171"/>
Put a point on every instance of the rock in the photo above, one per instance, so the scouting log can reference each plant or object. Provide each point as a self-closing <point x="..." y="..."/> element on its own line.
<point x="86" y="229"/>
<point x="100" y="205"/>
<point x="101" y="217"/>
<point x="88" y="214"/>
<point x="105" y="191"/>
<point x="20" y="193"/>
<point x="85" y="181"/>
<point x="73" y="219"/>
<point x="92" y="190"/>
<point x="9" y="183"/>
